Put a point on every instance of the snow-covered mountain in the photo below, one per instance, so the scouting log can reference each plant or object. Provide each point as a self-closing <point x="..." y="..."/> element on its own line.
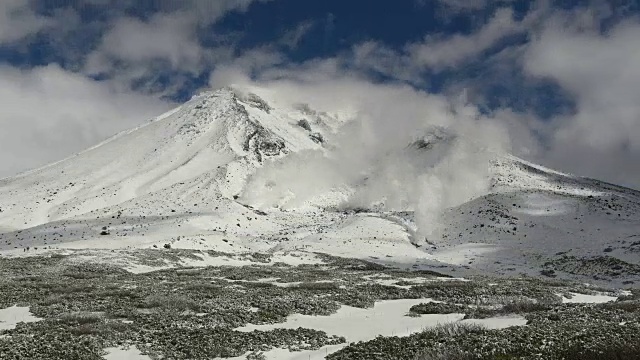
<point x="203" y="176"/>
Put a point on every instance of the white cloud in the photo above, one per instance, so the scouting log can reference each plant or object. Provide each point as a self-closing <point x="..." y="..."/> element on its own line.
<point x="437" y="53"/>
<point x="49" y="113"/>
<point x="293" y="37"/>
<point x="371" y="55"/>
<point x="602" y="138"/>
<point x="462" y="4"/>
<point x="209" y="11"/>
<point x="17" y="20"/>
<point x="385" y="119"/>
<point x="134" y="49"/>
<point x="170" y="37"/>
<point x="467" y="5"/>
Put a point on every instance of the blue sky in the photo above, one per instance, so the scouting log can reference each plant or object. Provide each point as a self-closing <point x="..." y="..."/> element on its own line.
<point x="560" y="76"/>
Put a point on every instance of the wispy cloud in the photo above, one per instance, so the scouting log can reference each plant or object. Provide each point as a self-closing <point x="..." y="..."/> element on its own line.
<point x="168" y="37"/>
<point x="468" y="5"/>
<point x="292" y="38"/>
<point x="49" y="113"/>
<point x="440" y="52"/>
<point x="602" y="138"/>
<point x="18" y="20"/>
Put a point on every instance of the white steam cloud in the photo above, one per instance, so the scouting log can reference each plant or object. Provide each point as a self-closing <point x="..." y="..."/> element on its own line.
<point x="400" y="150"/>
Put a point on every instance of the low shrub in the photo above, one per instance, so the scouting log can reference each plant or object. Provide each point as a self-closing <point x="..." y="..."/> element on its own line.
<point x="171" y="302"/>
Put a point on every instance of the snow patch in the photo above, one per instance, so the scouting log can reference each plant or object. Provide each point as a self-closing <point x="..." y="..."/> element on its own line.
<point x="122" y="353"/>
<point x="386" y="318"/>
<point x="587" y="299"/>
<point x="11" y="317"/>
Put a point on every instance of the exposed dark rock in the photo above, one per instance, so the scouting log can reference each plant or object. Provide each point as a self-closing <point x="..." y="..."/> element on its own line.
<point x="303" y="123"/>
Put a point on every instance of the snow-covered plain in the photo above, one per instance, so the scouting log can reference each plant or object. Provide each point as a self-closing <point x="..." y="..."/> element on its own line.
<point x="131" y="353"/>
<point x="386" y="318"/>
<point x="587" y="299"/>
<point x="10" y="317"/>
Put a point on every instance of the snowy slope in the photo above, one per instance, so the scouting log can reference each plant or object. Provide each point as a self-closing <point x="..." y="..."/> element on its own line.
<point x="208" y="145"/>
<point x="182" y="179"/>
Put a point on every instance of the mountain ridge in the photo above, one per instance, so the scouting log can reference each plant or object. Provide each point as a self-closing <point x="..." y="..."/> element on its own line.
<point x="186" y="175"/>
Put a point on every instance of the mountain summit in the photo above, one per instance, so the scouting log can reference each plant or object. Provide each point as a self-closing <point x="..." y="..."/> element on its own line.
<point x="237" y="171"/>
